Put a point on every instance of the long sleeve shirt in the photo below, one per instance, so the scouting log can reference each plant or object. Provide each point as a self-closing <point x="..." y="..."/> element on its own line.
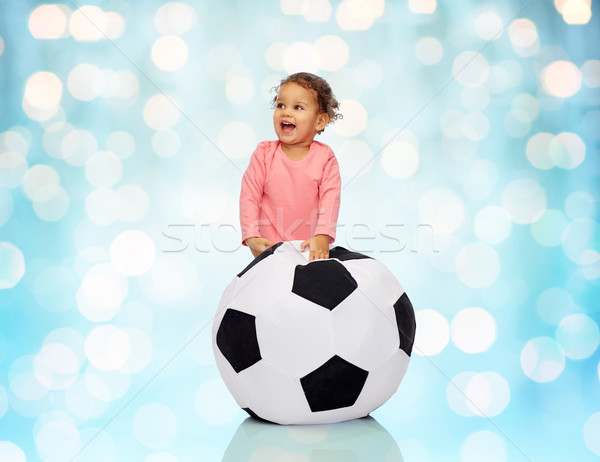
<point x="286" y="200"/>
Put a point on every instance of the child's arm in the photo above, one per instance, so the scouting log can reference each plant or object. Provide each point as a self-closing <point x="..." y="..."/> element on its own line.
<point x="329" y="207"/>
<point x="250" y="202"/>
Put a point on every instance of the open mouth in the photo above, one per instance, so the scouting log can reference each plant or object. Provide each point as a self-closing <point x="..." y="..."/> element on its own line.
<point x="287" y="127"/>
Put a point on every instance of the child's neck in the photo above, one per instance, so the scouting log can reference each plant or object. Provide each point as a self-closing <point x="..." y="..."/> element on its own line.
<point x="296" y="151"/>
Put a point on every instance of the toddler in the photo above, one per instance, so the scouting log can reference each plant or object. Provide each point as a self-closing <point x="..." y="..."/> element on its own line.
<point x="291" y="188"/>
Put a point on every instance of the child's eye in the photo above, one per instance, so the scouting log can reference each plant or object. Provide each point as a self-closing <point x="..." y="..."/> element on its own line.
<point x="299" y="107"/>
<point x="279" y="106"/>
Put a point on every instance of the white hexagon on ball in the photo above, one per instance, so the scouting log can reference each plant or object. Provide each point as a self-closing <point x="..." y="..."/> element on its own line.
<point x="300" y="342"/>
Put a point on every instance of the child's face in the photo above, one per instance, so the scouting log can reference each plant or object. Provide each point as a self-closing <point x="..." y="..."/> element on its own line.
<point x="297" y="118"/>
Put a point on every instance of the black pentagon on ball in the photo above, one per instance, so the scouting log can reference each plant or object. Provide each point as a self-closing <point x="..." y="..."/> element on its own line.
<point x="405" y="320"/>
<point x="236" y="339"/>
<point x="342" y="254"/>
<point x="334" y="385"/>
<point x="267" y="253"/>
<point x="324" y="282"/>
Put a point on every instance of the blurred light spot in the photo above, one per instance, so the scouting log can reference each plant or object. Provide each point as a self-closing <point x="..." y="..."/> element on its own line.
<point x="222" y="60"/>
<point x="483" y="445"/>
<point x="578" y="237"/>
<point x="53" y="137"/>
<point x="69" y="337"/>
<point x="561" y="79"/>
<point x="291" y="7"/>
<point x="12" y="265"/>
<point x="171" y="278"/>
<point x="580" y="204"/>
<point x="160" y="113"/>
<point x="400" y="159"/>
<point x="56" y="366"/>
<point x="554" y="304"/>
<point x="350" y="15"/>
<point x="470" y="69"/>
<point x="134" y="203"/>
<point x="103" y="169"/>
<point x="488" y="394"/>
<point x="43" y="92"/>
<point x="15" y="141"/>
<point x="355" y="158"/>
<point x="23" y="382"/>
<point x="524" y="37"/>
<point x="88" y="23"/>
<point x="166" y="143"/>
<point x="492" y="225"/>
<point x="107" y="385"/>
<point x="524" y="200"/>
<point x="434" y="333"/>
<point x="121" y="143"/>
<point x="54" y="208"/>
<point x="475" y="99"/>
<point x="475" y="126"/>
<point x="548" y="229"/>
<point x="538" y="150"/>
<point x="86" y="82"/>
<point x="422" y="6"/>
<point x="301" y="57"/>
<point x="452" y="123"/>
<point x="542" y="359"/>
<point x="368" y="73"/>
<point x="591" y="73"/>
<point x="480" y="180"/>
<point x="333" y="52"/>
<point x="429" y="50"/>
<point x="101" y="292"/>
<point x="78" y="146"/>
<point x="456" y="396"/>
<point x="6" y="205"/>
<point x="115" y="25"/>
<point x="140" y="350"/>
<point x="55" y="289"/>
<point x="274" y="55"/>
<point x="132" y="252"/>
<point x="442" y="209"/>
<point x="525" y="108"/>
<point x="567" y="150"/>
<point x="489" y="25"/>
<point x="473" y="330"/>
<point x="107" y="347"/>
<point x="316" y="10"/>
<point x="578" y="335"/>
<point x="41" y="183"/>
<point x="175" y="18"/>
<point x="102" y="206"/>
<point x="514" y="127"/>
<point x="169" y="52"/>
<point x="237" y="140"/>
<point x="239" y="89"/>
<point x="100" y="445"/>
<point x="591" y="433"/>
<point x="49" y="21"/>
<point x="576" y="11"/>
<point x="154" y="425"/>
<point x="57" y="440"/>
<point x="10" y="452"/>
<point x="355" y="118"/>
<point x="81" y="403"/>
<point x="214" y="404"/>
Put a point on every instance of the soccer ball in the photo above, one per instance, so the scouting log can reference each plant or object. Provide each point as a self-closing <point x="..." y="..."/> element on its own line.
<point x="300" y="342"/>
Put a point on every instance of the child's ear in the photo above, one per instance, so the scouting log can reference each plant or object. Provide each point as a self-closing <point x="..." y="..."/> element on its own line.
<point x="322" y="121"/>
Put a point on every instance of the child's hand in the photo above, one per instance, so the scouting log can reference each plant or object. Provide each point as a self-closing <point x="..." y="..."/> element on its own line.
<point x="319" y="247"/>
<point x="258" y="245"/>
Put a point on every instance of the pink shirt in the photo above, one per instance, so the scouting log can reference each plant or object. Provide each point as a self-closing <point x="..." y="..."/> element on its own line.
<point x="286" y="200"/>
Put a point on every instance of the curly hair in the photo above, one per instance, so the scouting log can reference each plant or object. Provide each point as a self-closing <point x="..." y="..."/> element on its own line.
<point x="325" y="97"/>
